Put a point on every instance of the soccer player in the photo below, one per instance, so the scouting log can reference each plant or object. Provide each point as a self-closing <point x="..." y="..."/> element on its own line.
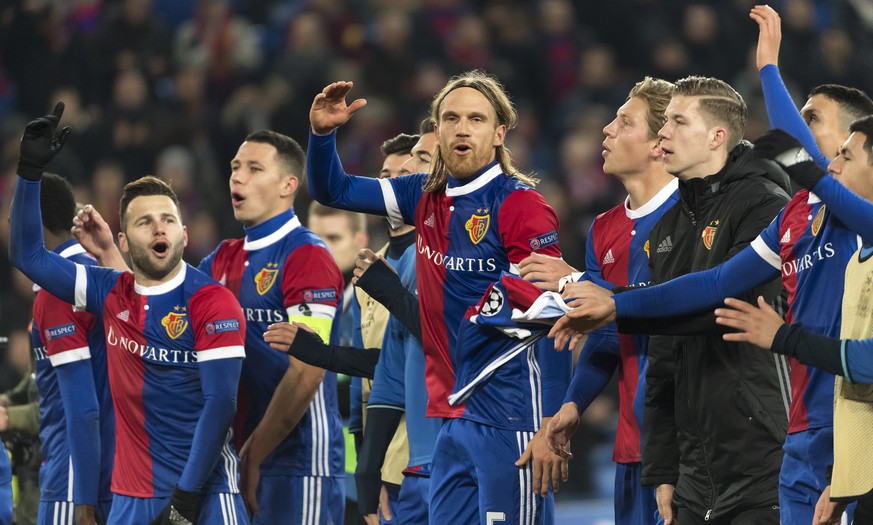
<point x="174" y="342"/>
<point x="848" y="191"/>
<point x="77" y="423"/>
<point x="289" y="409"/>
<point x="293" y="457"/>
<point x="699" y="389"/>
<point x="475" y="216"/>
<point x="618" y="253"/>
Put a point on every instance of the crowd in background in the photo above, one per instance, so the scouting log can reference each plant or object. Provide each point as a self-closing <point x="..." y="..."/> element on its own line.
<point x="170" y="88"/>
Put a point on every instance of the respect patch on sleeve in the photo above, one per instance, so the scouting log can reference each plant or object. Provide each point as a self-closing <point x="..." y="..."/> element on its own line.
<point x="59" y="331"/>
<point x="322" y="295"/>
<point x="225" y="325"/>
<point x="541" y="241"/>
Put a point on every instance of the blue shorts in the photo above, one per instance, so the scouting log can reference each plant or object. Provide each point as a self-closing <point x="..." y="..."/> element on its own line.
<point x="475" y="479"/>
<point x="302" y="500"/>
<point x="64" y="512"/>
<point x="634" y="503"/>
<point x="215" y="509"/>
<point x="413" y="503"/>
<point x="803" y="475"/>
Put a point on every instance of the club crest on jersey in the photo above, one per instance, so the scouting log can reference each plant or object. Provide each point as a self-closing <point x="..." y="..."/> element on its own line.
<point x="265" y="279"/>
<point x="477" y="225"/>
<point x="708" y="234"/>
<point x="176" y="322"/>
<point x="646" y="248"/>
<point x="819" y="218"/>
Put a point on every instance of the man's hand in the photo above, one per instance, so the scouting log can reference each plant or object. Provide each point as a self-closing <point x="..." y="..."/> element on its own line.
<point x="366" y="258"/>
<point x="544" y="271"/>
<point x="184" y="509"/>
<point x="40" y="143"/>
<point x="4" y="419"/>
<point x="828" y="512"/>
<point x="579" y="293"/>
<point x="769" y="35"/>
<point x="588" y="315"/>
<point x="280" y="336"/>
<point x="85" y="515"/>
<point x="756" y="325"/>
<point x="666" y="507"/>
<point x="384" y="508"/>
<point x="547" y="466"/>
<point x="249" y="478"/>
<point x="329" y="110"/>
<point x="92" y="232"/>
<point x="561" y="430"/>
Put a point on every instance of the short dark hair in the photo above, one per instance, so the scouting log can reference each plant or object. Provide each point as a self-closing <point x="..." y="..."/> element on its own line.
<point x="853" y="103"/>
<point x="287" y="149"/>
<point x="427" y="126"/>
<point x="402" y="144"/>
<point x="865" y="126"/>
<point x="719" y="101"/>
<point x="145" y="187"/>
<point x="57" y="203"/>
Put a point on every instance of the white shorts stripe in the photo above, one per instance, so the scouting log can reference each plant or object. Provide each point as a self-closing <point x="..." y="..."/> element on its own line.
<point x="224" y="514"/>
<point x="317" y="501"/>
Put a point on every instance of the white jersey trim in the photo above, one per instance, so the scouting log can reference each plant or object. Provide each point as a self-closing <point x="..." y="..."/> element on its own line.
<point x="477" y="184"/>
<point x="224" y="352"/>
<point x="80" y="295"/>
<point x="70" y="356"/>
<point x="274" y="237"/>
<point x="770" y="257"/>
<point x="654" y="203"/>
<point x="72" y="250"/>
<point x="392" y="208"/>
<point x="468" y="389"/>
<point x="163" y="287"/>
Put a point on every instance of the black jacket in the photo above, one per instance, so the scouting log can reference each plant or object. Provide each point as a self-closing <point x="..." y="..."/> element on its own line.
<point x="715" y="416"/>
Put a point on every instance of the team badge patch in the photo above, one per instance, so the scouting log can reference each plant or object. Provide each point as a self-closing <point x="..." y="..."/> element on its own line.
<point x="493" y="303"/>
<point x="819" y="218"/>
<point x="708" y="234"/>
<point x="477" y="225"/>
<point x="265" y="279"/>
<point x="646" y="249"/>
<point x="176" y="322"/>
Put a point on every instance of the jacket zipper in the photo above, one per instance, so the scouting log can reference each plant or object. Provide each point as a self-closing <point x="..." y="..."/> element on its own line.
<point x="699" y="437"/>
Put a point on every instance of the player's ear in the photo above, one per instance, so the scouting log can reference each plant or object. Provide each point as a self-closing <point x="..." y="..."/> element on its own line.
<point x="185" y="235"/>
<point x="122" y="242"/>
<point x="290" y="185"/>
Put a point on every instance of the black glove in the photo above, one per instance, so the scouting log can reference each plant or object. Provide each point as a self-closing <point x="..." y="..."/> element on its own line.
<point x="40" y="143"/>
<point x="184" y="508"/>
<point x="785" y="150"/>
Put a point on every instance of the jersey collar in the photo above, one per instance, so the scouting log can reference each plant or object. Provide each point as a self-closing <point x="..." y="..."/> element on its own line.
<point x="654" y="203"/>
<point x="488" y="174"/>
<point x="271" y="231"/>
<point x="163" y="287"/>
<point x="813" y="198"/>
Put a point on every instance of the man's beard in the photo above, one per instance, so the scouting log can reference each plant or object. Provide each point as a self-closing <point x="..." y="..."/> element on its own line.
<point x="155" y="270"/>
<point x="464" y="167"/>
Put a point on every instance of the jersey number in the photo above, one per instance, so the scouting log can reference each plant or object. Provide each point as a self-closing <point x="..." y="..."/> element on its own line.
<point x="493" y="517"/>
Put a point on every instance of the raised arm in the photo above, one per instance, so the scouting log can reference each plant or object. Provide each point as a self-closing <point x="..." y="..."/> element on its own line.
<point x="782" y="112"/>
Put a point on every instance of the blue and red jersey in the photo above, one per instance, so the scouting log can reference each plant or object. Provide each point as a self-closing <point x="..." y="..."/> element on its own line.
<point x="62" y="336"/>
<point x="810" y="248"/>
<point x="282" y="271"/>
<point x="618" y="253"/>
<point x="156" y="338"/>
<point x="466" y="236"/>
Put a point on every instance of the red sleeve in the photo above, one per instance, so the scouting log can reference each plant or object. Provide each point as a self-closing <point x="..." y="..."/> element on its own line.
<point x="311" y="276"/>
<point x="218" y="323"/>
<point x="63" y="331"/>
<point x="528" y="224"/>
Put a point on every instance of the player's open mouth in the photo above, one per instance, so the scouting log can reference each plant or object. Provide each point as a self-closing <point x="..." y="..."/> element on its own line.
<point x="462" y="149"/>
<point x="160" y="249"/>
<point x="236" y="199"/>
<point x="666" y="151"/>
